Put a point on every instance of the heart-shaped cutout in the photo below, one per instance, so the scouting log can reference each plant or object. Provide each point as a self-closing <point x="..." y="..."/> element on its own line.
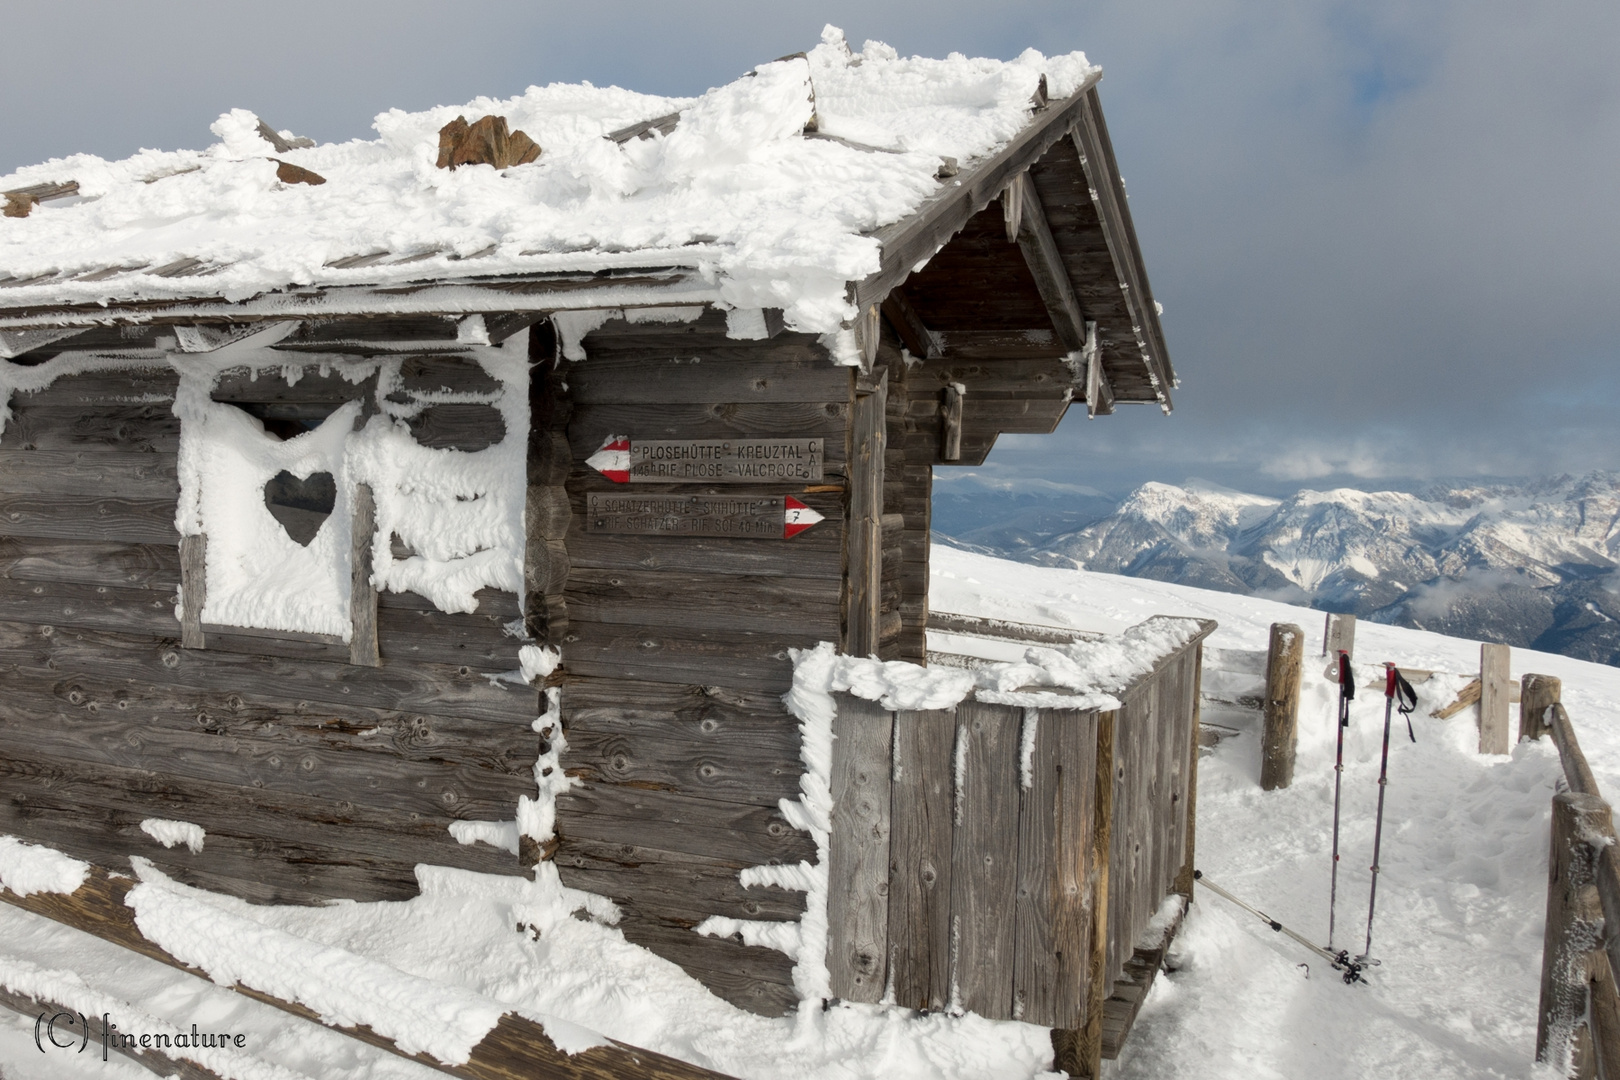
<point x="301" y="506"/>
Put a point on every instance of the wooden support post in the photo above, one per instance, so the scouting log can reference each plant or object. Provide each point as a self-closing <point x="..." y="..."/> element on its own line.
<point x="858" y="850"/>
<point x="1536" y="694"/>
<point x="950" y="422"/>
<point x="362" y="591"/>
<point x="1493" y="699"/>
<point x="1078" y="1052"/>
<point x="1099" y="392"/>
<point x="193" y="589"/>
<point x="868" y="331"/>
<point x="1184" y="877"/>
<point x="864" y="538"/>
<point x="1284" y="664"/>
<point x="1339" y="632"/>
<point x="1574" y="927"/>
<point x="1603" y="1007"/>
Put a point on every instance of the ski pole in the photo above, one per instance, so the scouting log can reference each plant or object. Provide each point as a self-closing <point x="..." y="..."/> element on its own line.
<point x="1347" y="691"/>
<point x="1340" y="960"/>
<point x="1395" y="685"/>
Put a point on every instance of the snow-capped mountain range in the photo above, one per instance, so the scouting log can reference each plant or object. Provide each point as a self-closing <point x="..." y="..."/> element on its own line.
<point x="1530" y="565"/>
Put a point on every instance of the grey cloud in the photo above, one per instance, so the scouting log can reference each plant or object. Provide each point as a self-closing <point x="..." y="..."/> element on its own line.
<point x="1384" y="232"/>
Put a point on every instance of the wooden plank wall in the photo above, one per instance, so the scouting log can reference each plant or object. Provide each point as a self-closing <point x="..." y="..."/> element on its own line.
<point x="1152" y="762"/>
<point x="676" y="648"/>
<point x="313" y="778"/>
<point x="992" y="886"/>
<point x="986" y="901"/>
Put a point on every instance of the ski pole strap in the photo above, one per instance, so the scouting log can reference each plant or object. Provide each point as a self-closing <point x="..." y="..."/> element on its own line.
<point x="1405" y="698"/>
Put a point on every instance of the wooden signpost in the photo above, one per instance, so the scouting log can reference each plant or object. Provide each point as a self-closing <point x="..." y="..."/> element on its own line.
<point x="709" y="461"/>
<point x="765" y="517"/>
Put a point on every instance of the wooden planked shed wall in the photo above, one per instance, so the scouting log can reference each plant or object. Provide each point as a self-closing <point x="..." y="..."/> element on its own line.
<point x="312" y="777"/>
<point x="676" y="648"/>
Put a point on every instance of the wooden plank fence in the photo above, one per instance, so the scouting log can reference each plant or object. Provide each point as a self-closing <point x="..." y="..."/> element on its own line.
<point x="1008" y="861"/>
<point x="1578" y="1020"/>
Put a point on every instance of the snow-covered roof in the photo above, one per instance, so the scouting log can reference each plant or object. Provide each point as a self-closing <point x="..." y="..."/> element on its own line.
<point x="766" y="191"/>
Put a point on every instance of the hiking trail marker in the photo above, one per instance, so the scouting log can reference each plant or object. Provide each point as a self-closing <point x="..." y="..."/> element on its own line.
<point x="764" y="517"/>
<point x="709" y="461"/>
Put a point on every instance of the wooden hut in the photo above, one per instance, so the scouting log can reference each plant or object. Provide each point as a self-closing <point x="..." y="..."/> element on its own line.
<point x="706" y="472"/>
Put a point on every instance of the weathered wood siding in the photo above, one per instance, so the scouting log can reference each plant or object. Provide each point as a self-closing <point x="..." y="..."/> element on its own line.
<point x="981" y="886"/>
<point x="312" y="777"/>
<point x="1153" y="758"/>
<point x="675" y="648"/>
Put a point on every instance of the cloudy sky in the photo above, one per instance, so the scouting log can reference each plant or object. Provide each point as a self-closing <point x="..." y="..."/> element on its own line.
<point x="1386" y="234"/>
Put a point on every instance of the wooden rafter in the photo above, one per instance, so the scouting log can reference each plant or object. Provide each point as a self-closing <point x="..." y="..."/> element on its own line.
<point x="914" y="240"/>
<point x="920" y="341"/>
<point x="540" y="293"/>
<point x="1035" y="240"/>
<point x="1090" y="135"/>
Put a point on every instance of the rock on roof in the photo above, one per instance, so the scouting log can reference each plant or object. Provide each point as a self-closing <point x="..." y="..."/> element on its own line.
<point x="769" y="186"/>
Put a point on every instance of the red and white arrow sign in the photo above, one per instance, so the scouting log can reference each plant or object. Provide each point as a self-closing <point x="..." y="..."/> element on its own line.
<point x="613" y="459"/>
<point x="798" y="517"/>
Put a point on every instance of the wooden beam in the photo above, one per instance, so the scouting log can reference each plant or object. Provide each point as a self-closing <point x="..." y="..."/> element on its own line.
<point x="1574" y="928"/>
<point x="207" y="338"/>
<point x="515" y="1048"/>
<point x="1090" y="136"/>
<point x="17" y="342"/>
<point x="864" y="559"/>
<point x="500" y="294"/>
<point x="1035" y="240"/>
<point x="193" y="589"/>
<point x="362" y="591"/>
<point x="914" y="334"/>
<point x="915" y="238"/>
<point x="950" y="416"/>
<point x="868" y="334"/>
<point x="1099" y="392"/>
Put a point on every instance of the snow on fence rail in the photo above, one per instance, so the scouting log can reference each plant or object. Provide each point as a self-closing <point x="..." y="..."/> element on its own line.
<point x="1578" y="1023"/>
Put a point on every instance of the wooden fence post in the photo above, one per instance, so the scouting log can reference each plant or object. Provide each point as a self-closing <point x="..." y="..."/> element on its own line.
<point x="1605" y="1013"/>
<point x="1284" y="660"/>
<point x="1493" y="699"/>
<point x="1574" y="930"/>
<point x="1339" y="632"/>
<point x="1536" y="693"/>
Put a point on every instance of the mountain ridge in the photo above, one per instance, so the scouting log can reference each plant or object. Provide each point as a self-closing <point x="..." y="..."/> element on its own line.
<point x="1535" y="564"/>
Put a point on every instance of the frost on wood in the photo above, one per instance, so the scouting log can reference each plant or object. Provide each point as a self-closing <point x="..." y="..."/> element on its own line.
<point x="458" y="514"/>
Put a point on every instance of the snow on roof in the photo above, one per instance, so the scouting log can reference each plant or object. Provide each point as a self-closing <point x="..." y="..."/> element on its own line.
<point x="736" y="191"/>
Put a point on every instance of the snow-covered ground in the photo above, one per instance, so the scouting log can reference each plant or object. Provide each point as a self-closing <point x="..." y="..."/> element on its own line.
<point x="1458" y="932"/>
